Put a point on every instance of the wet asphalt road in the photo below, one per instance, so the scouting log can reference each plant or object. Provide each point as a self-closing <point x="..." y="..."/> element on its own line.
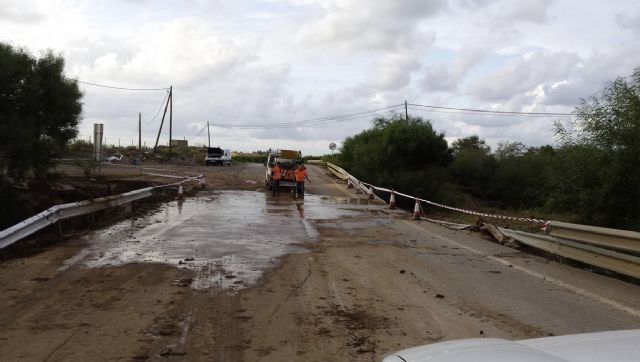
<point x="237" y="274"/>
<point x="228" y="237"/>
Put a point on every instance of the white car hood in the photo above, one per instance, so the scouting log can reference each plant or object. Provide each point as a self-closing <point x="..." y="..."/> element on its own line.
<point x="603" y="346"/>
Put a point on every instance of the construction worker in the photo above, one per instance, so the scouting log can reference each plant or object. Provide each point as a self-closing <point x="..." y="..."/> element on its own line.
<point x="306" y="175"/>
<point x="300" y="175"/>
<point x="276" y="175"/>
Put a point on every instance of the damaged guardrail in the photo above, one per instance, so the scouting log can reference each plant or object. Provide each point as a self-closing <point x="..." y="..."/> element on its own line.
<point x="602" y="237"/>
<point x="603" y="258"/>
<point x="340" y="173"/>
<point x="65" y="211"/>
<point x="611" y="249"/>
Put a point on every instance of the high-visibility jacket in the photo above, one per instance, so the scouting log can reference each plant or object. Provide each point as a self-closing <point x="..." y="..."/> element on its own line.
<point x="300" y="175"/>
<point x="276" y="173"/>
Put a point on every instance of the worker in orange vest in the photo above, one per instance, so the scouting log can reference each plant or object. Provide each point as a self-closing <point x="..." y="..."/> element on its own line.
<point x="276" y="175"/>
<point x="300" y="175"/>
<point x="306" y="175"/>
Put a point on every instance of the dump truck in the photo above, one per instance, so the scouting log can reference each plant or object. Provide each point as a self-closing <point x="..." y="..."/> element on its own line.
<point x="288" y="160"/>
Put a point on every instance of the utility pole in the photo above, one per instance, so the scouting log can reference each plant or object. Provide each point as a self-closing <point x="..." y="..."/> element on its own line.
<point x="161" y="123"/>
<point x="170" y="115"/>
<point x="208" y="134"/>
<point x="406" y="112"/>
<point x="139" y="131"/>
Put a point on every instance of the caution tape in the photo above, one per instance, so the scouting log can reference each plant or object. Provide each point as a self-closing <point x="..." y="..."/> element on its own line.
<point x="465" y="211"/>
<point x="150" y="168"/>
<point x="163" y="175"/>
<point x="545" y="223"/>
<point x="199" y="178"/>
<point x="184" y="179"/>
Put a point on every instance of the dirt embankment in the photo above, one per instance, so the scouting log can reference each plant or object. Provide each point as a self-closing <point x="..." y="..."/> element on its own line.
<point x="19" y="202"/>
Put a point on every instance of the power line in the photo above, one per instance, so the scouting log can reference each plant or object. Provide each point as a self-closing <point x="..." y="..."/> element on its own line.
<point x="198" y="134"/>
<point x="372" y="112"/>
<point x="119" y="88"/>
<point x="318" y="123"/>
<point x="486" y="111"/>
<point x="313" y="121"/>
<point x="164" y="99"/>
<point x="487" y="114"/>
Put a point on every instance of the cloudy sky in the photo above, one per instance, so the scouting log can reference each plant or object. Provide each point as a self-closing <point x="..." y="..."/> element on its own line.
<point x="273" y="61"/>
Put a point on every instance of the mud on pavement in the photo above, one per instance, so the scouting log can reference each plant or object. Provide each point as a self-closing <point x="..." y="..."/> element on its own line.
<point x="235" y="274"/>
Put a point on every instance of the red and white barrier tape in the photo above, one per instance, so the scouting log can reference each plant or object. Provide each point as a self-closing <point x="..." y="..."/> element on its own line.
<point x="544" y="223"/>
<point x="470" y="212"/>
<point x="151" y="169"/>
<point x="162" y="175"/>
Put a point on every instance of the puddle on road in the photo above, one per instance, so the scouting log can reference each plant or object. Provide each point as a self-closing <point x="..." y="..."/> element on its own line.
<point x="228" y="238"/>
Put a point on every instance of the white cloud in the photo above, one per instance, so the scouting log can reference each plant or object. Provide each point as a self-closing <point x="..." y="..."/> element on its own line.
<point x="17" y="11"/>
<point x="629" y="22"/>
<point x="363" y="24"/>
<point x="289" y="60"/>
<point x="524" y="74"/>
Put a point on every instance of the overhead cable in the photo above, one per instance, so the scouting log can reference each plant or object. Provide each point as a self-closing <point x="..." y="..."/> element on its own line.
<point x="317" y="123"/>
<point x="198" y="134"/>
<point x="164" y="100"/>
<point x="313" y="121"/>
<point x="429" y="110"/>
<point x="486" y="111"/>
<point x="119" y="88"/>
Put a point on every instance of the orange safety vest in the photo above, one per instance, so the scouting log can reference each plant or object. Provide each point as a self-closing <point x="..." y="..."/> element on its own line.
<point x="276" y="173"/>
<point x="300" y="174"/>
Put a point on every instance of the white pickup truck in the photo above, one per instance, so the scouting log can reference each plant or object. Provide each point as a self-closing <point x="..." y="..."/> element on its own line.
<point x="611" y="346"/>
<point x="218" y="156"/>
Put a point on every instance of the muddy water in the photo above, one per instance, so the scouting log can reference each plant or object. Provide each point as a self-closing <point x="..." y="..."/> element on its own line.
<point x="228" y="238"/>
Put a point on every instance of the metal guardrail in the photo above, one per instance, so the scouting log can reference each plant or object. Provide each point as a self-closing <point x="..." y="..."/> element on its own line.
<point x="344" y="175"/>
<point x="65" y="211"/>
<point x="603" y="258"/>
<point x="587" y="244"/>
<point x="602" y="237"/>
<point x="337" y="171"/>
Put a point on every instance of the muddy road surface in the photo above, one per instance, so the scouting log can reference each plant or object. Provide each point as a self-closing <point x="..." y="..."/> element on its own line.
<point x="235" y="274"/>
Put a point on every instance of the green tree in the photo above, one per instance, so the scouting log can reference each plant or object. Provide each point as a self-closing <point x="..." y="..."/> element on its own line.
<point x="39" y="110"/>
<point x="470" y="143"/>
<point x="574" y="182"/>
<point x="520" y="175"/>
<point x="607" y="127"/>
<point x="406" y="155"/>
<point x="473" y="164"/>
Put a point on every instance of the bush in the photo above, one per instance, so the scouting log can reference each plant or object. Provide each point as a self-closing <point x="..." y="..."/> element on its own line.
<point x="403" y="155"/>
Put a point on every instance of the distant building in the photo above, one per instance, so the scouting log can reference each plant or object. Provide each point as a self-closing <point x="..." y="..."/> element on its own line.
<point x="180" y="144"/>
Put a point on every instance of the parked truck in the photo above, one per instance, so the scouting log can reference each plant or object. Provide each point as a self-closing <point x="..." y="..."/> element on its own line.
<point x="288" y="160"/>
<point x="217" y="156"/>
